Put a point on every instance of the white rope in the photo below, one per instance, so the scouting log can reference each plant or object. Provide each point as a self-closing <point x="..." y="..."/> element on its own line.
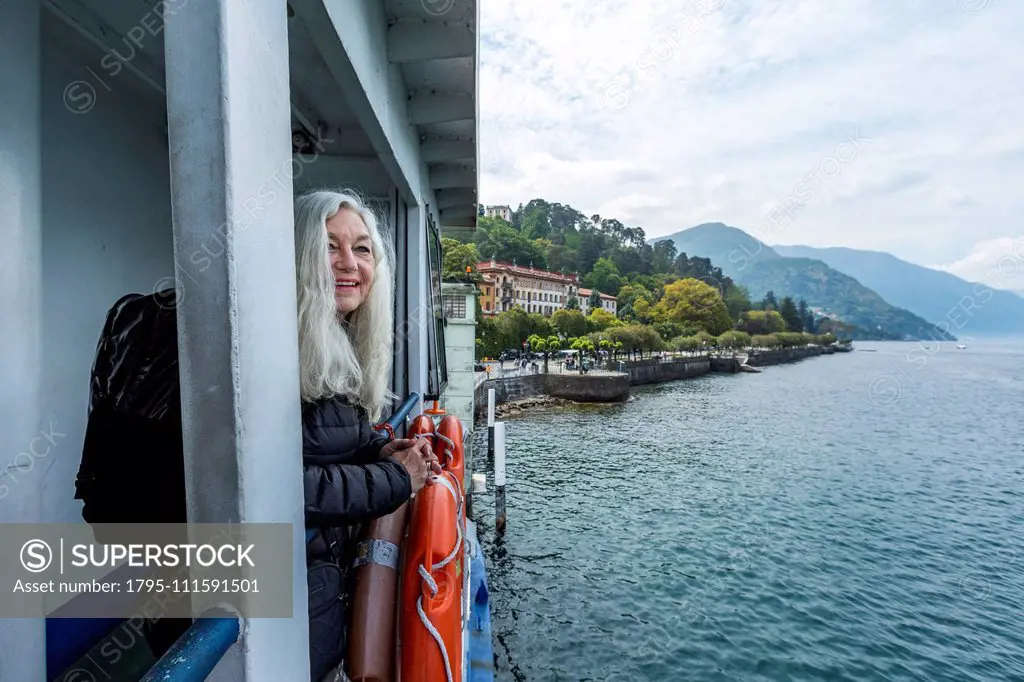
<point x="432" y="584"/>
<point x="449" y="449"/>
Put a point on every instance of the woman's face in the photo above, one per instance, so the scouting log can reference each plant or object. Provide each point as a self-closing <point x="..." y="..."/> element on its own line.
<point x="351" y="253"/>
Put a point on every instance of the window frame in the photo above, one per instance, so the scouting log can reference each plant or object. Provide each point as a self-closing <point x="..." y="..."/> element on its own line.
<point x="437" y="362"/>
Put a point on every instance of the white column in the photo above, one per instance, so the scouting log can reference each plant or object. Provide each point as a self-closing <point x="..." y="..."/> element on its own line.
<point x="230" y="155"/>
<point x="22" y="641"/>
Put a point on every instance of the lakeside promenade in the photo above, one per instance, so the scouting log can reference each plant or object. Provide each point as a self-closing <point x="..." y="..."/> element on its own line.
<point x="605" y="384"/>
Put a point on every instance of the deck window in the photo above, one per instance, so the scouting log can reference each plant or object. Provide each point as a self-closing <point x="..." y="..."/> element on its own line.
<point x="437" y="366"/>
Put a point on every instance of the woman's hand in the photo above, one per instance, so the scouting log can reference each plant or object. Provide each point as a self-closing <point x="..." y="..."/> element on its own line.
<point x="416" y="455"/>
<point x="391" y="448"/>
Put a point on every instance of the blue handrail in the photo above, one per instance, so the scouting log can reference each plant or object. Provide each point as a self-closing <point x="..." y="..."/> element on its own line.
<point x="197" y="652"/>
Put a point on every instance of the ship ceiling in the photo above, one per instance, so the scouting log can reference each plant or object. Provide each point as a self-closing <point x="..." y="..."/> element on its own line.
<point x="434" y="44"/>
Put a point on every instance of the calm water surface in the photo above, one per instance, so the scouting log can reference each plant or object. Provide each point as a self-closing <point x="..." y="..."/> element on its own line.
<point x="853" y="517"/>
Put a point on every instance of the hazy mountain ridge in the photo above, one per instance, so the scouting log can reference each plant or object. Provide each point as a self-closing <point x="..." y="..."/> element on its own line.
<point x="939" y="297"/>
<point x="761" y="268"/>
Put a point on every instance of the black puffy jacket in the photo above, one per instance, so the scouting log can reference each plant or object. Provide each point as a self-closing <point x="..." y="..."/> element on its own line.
<point x="134" y="430"/>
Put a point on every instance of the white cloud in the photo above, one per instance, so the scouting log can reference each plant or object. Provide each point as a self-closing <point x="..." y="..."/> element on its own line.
<point x="999" y="263"/>
<point x="717" y="109"/>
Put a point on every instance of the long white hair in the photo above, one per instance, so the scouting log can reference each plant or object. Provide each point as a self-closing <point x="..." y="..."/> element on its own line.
<point x="339" y="355"/>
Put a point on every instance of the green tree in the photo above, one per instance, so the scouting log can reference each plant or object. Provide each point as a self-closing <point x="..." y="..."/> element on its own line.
<point x="515" y="327"/>
<point x="790" y="314"/>
<point x="693" y="301"/>
<point x="600" y="319"/>
<point x="582" y="345"/>
<point x="554" y="344"/>
<point x="594" y="300"/>
<point x="489" y="338"/>
<point x="628" y="294"/>
<point x="604" y="276"/>
<point x="734" y="339"/>
<point x="534" y="223"/>
<point x="569" y="323"/>
<point x="503" y="243"/>
<point x="761" y="322"/>
<point x="737" y="300"/>
<point x="456" y="257"/>
<point x="664" y="256"/>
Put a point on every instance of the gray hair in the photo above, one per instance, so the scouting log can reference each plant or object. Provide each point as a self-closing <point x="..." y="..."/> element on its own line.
<point x="337" y="355"/>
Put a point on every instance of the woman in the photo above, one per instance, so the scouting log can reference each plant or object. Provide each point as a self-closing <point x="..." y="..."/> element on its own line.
<point x="352" y="474"/>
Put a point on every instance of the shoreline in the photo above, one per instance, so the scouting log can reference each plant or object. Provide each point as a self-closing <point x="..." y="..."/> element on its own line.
<point x="517" y="394"/>
<point x="513" y="408"/>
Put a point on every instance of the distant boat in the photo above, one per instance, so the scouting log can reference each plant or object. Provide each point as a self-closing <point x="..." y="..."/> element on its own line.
<point x="961" y="346"/>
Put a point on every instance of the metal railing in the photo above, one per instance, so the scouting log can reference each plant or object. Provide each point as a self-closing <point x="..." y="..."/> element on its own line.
<point x="199" y="650"/>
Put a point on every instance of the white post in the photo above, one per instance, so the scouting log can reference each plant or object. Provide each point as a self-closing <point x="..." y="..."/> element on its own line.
<point x="228" y="112"/>
<point x="499" y="478"/>
<point x="22" y="640"/>
<point x="490" y="423"/>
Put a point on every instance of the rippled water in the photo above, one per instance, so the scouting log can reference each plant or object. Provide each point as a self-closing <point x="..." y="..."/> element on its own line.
<point x="853" y="517"/>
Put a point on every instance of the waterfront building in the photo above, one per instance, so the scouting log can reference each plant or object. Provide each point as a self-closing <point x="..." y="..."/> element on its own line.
<point x="506" y="285"/>
<point x="609" y="303"/>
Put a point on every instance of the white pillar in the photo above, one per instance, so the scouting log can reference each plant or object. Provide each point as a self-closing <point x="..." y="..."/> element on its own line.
<point x="230" y="154"/>
<point x="22" y="641"/>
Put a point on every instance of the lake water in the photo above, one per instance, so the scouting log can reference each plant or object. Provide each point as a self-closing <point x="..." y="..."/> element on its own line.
<point x="850" y="517"/>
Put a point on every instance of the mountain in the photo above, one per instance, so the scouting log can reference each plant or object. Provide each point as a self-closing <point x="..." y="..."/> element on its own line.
<point x="761" y="269"/>
<point x="966" y="307"/>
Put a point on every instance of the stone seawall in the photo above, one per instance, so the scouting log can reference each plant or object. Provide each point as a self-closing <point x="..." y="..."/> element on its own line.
<point x="655" y="371"/>
<point x="589" y="388"/>
<point x="610" y="387"/>
<point x="584" y="388"/>
<point x="780" y="356"/>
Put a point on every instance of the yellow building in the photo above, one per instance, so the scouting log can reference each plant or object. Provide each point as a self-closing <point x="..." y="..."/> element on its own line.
<point x="504" y="285"/>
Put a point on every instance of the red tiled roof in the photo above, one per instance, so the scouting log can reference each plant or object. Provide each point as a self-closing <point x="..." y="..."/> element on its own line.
<point x="521" y="271"/>
<point x="585" y="293"/>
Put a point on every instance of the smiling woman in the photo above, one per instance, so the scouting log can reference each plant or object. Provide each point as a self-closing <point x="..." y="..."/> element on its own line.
<point x="341" y="256"/>
<point x="351" y="473"/>
<point x="352" y="262"/>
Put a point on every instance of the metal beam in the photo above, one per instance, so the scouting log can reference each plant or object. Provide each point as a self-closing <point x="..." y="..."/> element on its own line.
<point x="448" y="198"/>
<point x="459" y="224"/>
<point x="231" y="207"/>
<point x="441" y="108"/>
<point x="367" y="175"/>
<point x="450" y="178"/>
<point x="441" y="149"/>
<point x="424" y="41"/>
<point x="448" y="214"/>
<point x="351" y="37"/>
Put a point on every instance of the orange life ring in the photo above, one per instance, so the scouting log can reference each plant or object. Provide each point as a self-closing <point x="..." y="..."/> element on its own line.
<point x="448" y="446"/>
<point x="422" y="427"/>
<point x="432" y="585"/>
<point x="372" y="638"/>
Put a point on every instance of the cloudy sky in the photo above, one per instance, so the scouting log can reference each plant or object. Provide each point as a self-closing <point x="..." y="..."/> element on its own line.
<point x="892" y="126"/>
